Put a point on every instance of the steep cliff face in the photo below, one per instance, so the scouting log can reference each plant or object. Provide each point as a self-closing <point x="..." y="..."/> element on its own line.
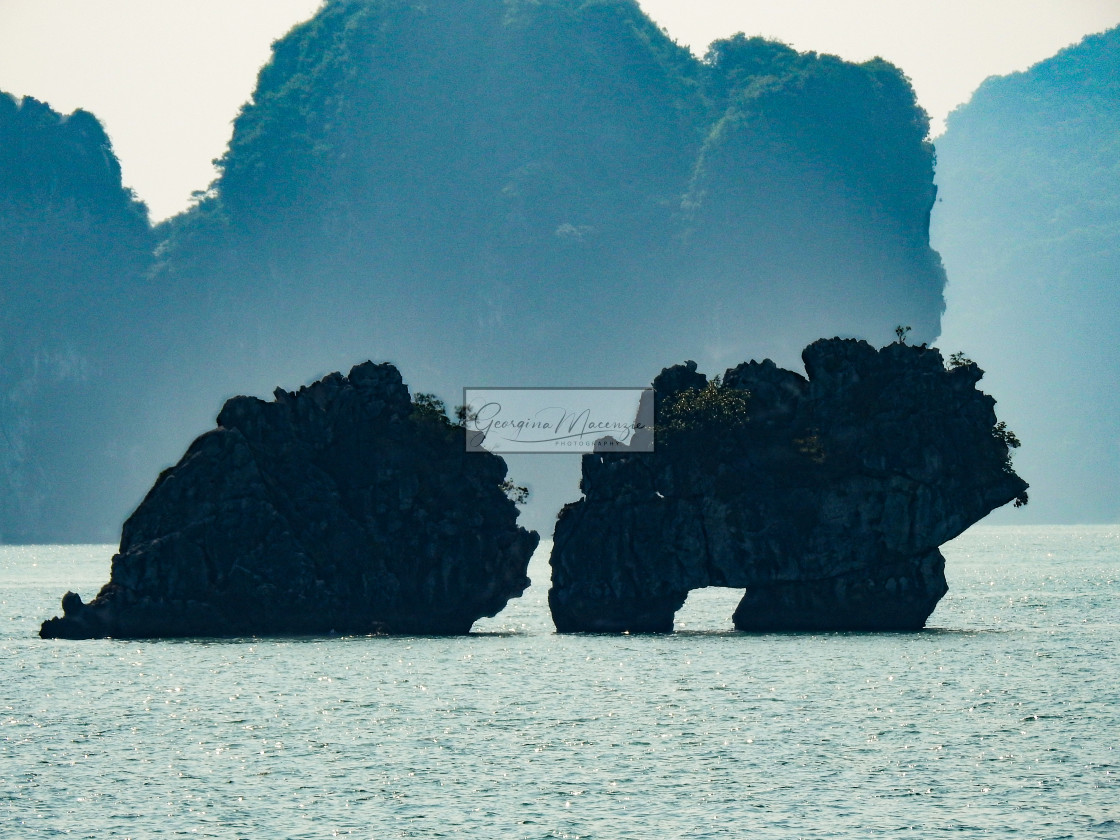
<point x="74" y="246"/>
<point x="792" y="196"/>
<point x="1029" y="224"/>
<point x="826" y="497"/>
<point x="341" y="507"/>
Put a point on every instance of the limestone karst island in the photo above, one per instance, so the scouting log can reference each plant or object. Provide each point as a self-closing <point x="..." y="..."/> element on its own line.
<point x="349" y="507"/>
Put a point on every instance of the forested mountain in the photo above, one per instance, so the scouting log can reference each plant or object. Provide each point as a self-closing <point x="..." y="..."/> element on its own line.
<point x="74" y="250"/>
<point x="1029" y="225"/>
<point x="811" y="196"/>
<point x="513" y="193"/>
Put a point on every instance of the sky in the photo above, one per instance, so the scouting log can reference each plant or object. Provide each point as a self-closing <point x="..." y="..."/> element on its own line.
<point x="167" y="77"/>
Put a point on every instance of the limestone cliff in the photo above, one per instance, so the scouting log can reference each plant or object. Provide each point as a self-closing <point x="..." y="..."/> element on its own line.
<point x="341" y="507"/>
<point x="825" y="497"/>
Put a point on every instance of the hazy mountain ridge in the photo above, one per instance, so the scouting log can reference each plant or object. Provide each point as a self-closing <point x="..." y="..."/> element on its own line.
<point x="825" y="206"/>
<point x="524" y="193"/>
<point x="74" y="249"/>
<point x="1029" y="226"/>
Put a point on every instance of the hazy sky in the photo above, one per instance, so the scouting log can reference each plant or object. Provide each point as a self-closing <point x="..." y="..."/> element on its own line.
<point x="166" y="77"/>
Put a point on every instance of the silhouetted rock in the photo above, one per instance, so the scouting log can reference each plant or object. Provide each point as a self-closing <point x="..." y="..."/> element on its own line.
<point x="341" y="507"/>
<point x="826" y="497"/>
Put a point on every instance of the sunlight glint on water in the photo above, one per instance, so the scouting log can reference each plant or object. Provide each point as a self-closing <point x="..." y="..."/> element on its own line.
<point x="1000" y="720"/>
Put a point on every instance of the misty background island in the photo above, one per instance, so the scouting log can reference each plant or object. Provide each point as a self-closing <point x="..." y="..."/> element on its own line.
<point x="553" y="194"/>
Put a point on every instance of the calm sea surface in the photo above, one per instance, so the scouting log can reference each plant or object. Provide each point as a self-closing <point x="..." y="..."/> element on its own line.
<point x="1001" y="720"/>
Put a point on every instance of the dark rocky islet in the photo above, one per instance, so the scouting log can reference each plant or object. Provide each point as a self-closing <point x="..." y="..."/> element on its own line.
<point x="825" y="497"/>
<point x="349" y="507"/>
<point x="343" y="507"/>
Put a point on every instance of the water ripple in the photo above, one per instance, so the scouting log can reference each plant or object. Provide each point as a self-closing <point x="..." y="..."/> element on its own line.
<point x="998" y="721"/>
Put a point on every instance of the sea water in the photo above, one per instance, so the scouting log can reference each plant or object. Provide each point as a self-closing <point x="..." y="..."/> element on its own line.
<point x="1000" y="720"/>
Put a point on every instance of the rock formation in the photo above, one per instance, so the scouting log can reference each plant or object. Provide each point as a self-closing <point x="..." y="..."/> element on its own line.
<point x="825" y="497"/>
<point x="341" y="507"/>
